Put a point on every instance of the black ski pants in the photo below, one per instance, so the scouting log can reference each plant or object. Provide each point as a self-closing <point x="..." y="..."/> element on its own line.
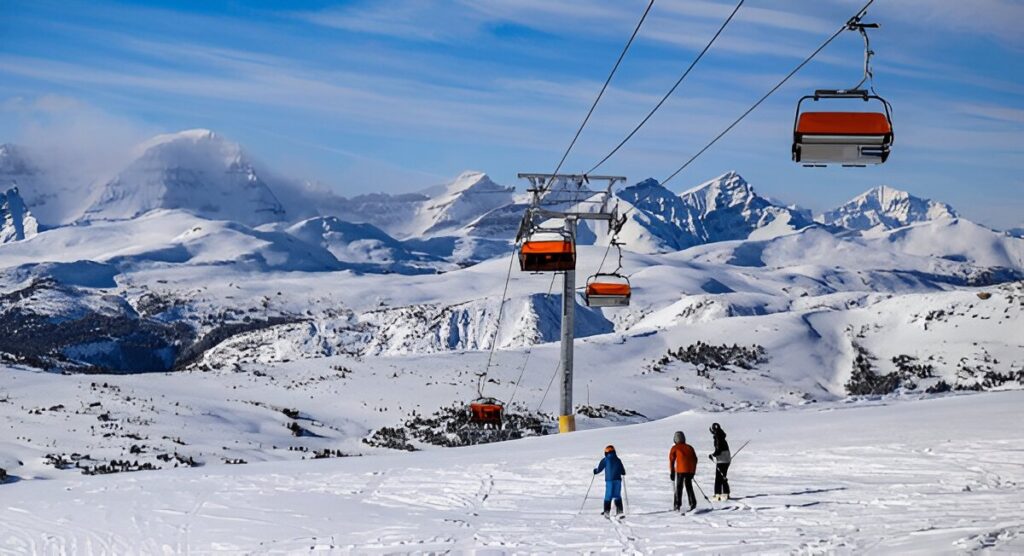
<point x="722" y="479"/>
<point x="684" y="479"/>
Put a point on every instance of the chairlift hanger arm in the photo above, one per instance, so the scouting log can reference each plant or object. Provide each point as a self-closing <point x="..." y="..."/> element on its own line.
<point x="855" y="24"/>
<point x="530" y="175"/>
<point x="544" y="213"/>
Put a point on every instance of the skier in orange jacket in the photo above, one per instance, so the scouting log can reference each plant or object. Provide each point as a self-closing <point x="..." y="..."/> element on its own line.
<point x="682" y="464"/>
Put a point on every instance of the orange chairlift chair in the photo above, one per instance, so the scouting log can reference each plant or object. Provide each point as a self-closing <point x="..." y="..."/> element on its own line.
<point x="609" y="289"/>
<point x="846" y="138"/>
<point x="486" y="411"/>
<point x="548" y="250"/>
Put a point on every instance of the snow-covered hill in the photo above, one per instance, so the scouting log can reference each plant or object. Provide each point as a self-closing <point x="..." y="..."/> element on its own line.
<point x="195" y="170"/>
<point x="931" y="476"/>
<point x="885" y="208"/>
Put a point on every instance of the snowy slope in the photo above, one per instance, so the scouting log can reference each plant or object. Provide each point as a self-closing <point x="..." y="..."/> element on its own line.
<point x="16" y="221"/>
<point x="171" y="237"/>
<point x="195" y="170"/>
<point x="868" y="477"/>
<point x="885" y="208"/>
<point x="958" y="239"/>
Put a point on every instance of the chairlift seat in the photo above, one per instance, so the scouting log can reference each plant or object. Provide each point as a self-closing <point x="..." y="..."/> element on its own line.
<point x="547" y="255"/>
<point x="607" y="290"/>
<point x="848" y="138"/>
<point x="871" y="124"/>
<point x="486" y="411"/>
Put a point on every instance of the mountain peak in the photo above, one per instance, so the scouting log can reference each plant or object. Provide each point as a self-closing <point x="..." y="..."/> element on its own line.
<point x="727" y="190"/>
<point x="198" y="134"/>
<point x="884" y="194"/>
<point x="195" y="170"/>
<point x="886" y="208"/>
<point x="471" y="180"/>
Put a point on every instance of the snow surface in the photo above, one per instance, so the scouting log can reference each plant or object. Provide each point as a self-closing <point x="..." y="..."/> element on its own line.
<point x="927" y="476"/>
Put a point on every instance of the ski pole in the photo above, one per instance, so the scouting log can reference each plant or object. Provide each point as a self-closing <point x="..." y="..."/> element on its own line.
<point x="585" y="496"/>
<point x="740" y="450"/>
<point x="702" y="492"/>
<point x="732" y="457"/>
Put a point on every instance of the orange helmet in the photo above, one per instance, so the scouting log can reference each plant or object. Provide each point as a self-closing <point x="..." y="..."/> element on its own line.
<point x="609" y="449"/>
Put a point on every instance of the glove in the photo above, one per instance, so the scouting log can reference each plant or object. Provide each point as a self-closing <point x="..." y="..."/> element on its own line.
<point x="711" y="457"/>
<point x="596" y="472"/>
<point x="672" y="476"/>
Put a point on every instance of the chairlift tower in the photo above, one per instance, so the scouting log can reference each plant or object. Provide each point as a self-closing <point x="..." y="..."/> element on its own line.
<point x="541" y="185"/>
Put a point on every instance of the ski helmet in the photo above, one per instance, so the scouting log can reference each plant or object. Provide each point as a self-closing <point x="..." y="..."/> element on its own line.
<point x="679" y="437"/>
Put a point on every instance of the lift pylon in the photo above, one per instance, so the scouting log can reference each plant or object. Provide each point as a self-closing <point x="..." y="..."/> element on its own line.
<point x="541" y="186"/>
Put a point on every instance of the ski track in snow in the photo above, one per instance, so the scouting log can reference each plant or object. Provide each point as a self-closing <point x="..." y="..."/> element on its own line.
<point x="937" y="475"/>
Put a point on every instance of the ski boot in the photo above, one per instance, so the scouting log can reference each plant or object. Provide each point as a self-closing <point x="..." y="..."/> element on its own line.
<point x="618" y="509"/>
<point x="607" y="509"/>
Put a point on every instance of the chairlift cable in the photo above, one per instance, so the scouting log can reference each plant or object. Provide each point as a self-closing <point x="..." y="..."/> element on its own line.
<point x="497" y="328"/>
<point x="605" y="86"/>
<point x="529" y="350"/>
<point x="565" y="155"/>
<point x="670" y="91"/>
<point x="860" y="13"/>
<point x="771" y="91"/>
<point x="548" y="389"/>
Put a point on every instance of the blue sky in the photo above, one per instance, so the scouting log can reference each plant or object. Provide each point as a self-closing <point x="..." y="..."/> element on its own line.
<point x="395" y="95"/>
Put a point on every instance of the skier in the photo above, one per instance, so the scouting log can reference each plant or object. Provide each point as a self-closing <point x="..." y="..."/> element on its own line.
<point x="682" y="464"/>
<point x="722" y="459"/>
<point x="613" y="472"/>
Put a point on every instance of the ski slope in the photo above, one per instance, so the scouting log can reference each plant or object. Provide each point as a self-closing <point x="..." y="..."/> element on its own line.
<point x="937" y="475"/>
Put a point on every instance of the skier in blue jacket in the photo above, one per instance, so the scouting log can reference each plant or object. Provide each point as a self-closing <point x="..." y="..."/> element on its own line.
<point x="613" y="472"/>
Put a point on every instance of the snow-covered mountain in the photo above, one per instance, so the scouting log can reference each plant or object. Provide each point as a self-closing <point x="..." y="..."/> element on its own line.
<point x="450" y="209"/>
<point x="658" y="220"/>
<point x="16" y="221"/>
<point x="329" y="335"/>
<point x="722" y="209"/>
<point x="728" y="208"/>
<point x="460" y="203"/>
<point x="195" y="170"/>
<point x="885" y="208"/>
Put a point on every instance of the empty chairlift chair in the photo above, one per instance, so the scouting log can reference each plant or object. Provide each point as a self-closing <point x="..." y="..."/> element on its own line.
<point x="846" y="138"/>
<point x="548" y="251"/>
<point x="486" y="411"/>
<point x="607" y="290"/>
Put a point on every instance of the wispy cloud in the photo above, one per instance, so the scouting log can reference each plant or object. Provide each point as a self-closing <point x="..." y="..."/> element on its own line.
<point x="423" y="88"/>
